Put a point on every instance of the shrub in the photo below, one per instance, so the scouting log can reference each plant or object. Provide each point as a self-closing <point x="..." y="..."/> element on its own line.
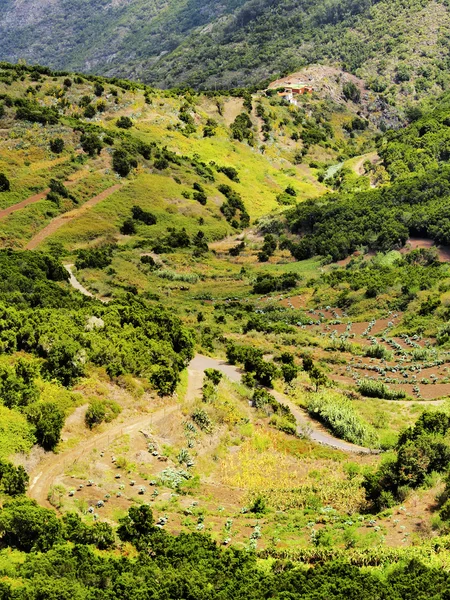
<point x="123" y="162"/>
<point x="91" y="144"/>
<point x="230" y="172"/>
<point x="377" y="389"/>
<point x="4" y="183"/>
<point x="100" y="411"/>
<point x="128" y="227"/>
<point x="139" y="214"/>
<point x="13" y="480"/>
<point x="98" y="89"/>
<point x="48" y="421"/>
<point x="57" y="145"/>
<point x="214" y="375"/>
<point x="338" y="414"/>
<point x="161" y="163"/>
<point x="90" y="111"/>
<point x="124" y="122"/>
<point x="26" y="526"/>
<point x="94" y="258"/>
<point x="378" y="351"/>
<point x="202" y="420"/>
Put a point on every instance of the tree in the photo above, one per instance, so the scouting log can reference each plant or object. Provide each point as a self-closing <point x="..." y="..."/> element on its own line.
<point x="213" y="375"/>
<point x="65" y="360"/>
<point x="317" y="377"/>
<point x="123" y="162"/>
<point x="90" y="111"/>
<point x="57" y="145"/>
<point x="124" y="122"/>
<point x="98" y="89"/>
<point x="289" y="372"/>
<point x="26" y="526"/>
<point x="48" y="420"/>
<point x="351" y="92"/>
<point x="13" y="480"/>
<point x="95" y="413"/>
<point x="128" y="227"/>
<point x="145" y="216"/>
<point x="91" y="144"/>
<point x="137" y="526"/>
<point x="5" y="186"/>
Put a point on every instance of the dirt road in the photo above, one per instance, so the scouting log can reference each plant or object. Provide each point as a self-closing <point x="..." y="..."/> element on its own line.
<point x="76" y="284"/>
<point x="67" y="217"/>
<point x="36" y="197"/>
<point x="305" y="425"/>
<point x="54" y="465"/>
<point x="358" y="167"/>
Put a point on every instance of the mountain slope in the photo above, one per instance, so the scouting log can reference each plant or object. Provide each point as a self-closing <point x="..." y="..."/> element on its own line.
<point x="400" y="47"/>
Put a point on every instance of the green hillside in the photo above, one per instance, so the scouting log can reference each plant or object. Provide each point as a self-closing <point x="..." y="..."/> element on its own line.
<point x="224" y="341"/>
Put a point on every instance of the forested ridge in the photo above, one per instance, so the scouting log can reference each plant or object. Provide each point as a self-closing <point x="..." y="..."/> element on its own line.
<point x="414" y="203"/>
<point x="237" y="42"/>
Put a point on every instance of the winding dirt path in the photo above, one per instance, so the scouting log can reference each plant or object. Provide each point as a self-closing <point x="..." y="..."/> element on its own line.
<point x="76" y="284"/>
<point x="5" y="212"/>
<point x="54" y="465"/>
<point x="358" y="167"/>
<point x="305" y="425"/>
<point x="68" y="216"/>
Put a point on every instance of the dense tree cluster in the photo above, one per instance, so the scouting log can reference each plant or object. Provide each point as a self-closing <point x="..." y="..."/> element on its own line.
<point x="125" y="337"/>
<point x="184" y="566"/>
<point x="233" y="208"/>
<point x="380" y="219"/>
<point x="421" y="449"/>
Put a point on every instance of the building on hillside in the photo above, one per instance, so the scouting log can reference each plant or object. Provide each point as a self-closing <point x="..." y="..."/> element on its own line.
<point x="292" y="89"/>
<point x="298" y="87"/>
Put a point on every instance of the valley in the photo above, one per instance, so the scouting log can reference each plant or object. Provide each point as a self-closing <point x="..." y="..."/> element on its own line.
<point x="222" y="313"/>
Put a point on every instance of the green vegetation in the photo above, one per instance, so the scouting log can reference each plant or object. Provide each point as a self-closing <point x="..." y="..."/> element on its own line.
<point x="177" y="46"/>
<point x="181" y="216"/>
<point x="338" y="414"/>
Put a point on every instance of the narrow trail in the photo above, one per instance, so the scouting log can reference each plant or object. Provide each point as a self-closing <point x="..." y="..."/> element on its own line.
<point x="76" y="284"/>
<point x="67" y="217"/>
<point x="358" y="167"/>
<point x="54" y="465"/>
<point x="305" y="425"/>
<point x="5" y="212"/>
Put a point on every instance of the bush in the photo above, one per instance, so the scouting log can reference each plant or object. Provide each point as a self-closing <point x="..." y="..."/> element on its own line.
<point x="338" y="414"/>
<point x="48" y="421"/>
<point x="90" y="111"/>
<point x="379" y="351"/>
<point x="91" y="144"/>
<point x="377" y="389"/>
<point x="124" y="122"/>
<point x="128" y="227"/>
<point x="94" y="258"/>
<point x="13" y="480"/>
<point x="4" y="183"/>
<point x="161" y="164"/>
<point x="142" y="215"/>
<point x="351" y="92"/>
<point x="26" y="526"/>
<point x="214" y="375"/>
<point x="123" y="162"/>
<point x="230" y="172"/>
<point x="57" y="145"/>
<point x="202" y="420"/>
<point x="100" y="411"/>
<point x="266" y="283"/>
